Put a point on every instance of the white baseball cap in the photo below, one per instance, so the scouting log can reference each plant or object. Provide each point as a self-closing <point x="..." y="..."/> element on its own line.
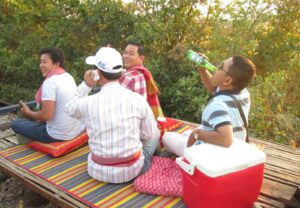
<point x="106" y="59"/>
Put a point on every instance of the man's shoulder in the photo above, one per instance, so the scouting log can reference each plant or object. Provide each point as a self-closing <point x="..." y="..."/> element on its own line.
<point x="132" y="73"/>
<point x="65" y="80"/>
<point x="133" y="95"/>
<point x="58" y="77"/>
<point x="131" y="76"/>
<point x="217" y="102"/>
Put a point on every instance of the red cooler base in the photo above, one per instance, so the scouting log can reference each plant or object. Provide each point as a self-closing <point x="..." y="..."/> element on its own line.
<point x="235" y="190"/>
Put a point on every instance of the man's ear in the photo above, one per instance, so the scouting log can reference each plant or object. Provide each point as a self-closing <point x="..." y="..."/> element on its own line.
<point x="57" y="64"/>
<point x="142" y="58"/>
<point x="227" y="81"/>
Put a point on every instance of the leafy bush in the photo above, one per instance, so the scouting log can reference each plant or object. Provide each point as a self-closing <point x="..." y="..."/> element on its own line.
<point x="13" y="93"/>
<point x="275" y="112"/>
<point x="166" y="28"/>
<point x="185" y="99"/>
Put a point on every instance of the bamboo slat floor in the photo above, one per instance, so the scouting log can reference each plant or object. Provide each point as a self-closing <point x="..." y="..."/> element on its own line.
<point x="280" y="187"/>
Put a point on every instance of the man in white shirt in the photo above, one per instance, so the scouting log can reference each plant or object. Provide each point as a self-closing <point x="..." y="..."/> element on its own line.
<point x="50" y="123"/>
<point x="122" y="130"/>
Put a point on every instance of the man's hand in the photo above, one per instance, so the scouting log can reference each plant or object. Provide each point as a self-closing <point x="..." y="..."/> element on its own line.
<point x="201" y="69"/>
<point x="89" y="78"/>
<point x="24" y="108"/>
<point x="194" y="136"/>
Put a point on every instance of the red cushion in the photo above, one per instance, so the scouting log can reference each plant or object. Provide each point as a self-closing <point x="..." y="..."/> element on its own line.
<point x="56" y="149"/>
<point x="170" y="125"/>
<point x="163" y="178"/>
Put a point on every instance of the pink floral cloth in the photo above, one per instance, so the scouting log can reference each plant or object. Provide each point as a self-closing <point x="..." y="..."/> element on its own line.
<point x="163" y="178"/>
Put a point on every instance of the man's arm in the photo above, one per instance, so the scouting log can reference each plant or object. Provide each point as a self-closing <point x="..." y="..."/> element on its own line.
<point x="205" y="77"/>
<point x="45" y="114"/>
<point x="223" y="136"/>
<point x="72" y="107"/>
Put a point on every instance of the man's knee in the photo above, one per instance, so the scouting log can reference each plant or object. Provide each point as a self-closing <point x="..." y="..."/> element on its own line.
<point x="15" y="125"/>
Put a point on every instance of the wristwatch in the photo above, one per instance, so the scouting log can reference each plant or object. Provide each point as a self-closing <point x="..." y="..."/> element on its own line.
<point x="196" y="136"/>
<point x="198" y="141"/>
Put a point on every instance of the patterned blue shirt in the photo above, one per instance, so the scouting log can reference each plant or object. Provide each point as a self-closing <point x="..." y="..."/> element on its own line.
<point x="221" y="111"/>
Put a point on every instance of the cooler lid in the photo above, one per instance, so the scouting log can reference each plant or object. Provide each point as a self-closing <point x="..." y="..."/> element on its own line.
<point x="215" y="161"/>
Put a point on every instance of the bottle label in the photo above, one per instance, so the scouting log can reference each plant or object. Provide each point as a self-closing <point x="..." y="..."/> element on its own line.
<point x="200" y="60"/>
<point x="193" y="56"/>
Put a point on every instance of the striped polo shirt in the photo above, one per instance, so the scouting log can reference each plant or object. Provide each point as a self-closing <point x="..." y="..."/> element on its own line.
<point x="221" y="110"/>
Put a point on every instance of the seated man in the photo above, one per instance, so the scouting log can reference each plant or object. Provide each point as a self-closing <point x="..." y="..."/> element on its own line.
<point x="50" y="123"/>
<point x="139" y="79"/>
<point x="221" y="119"/>
<point x="122" y="130"/>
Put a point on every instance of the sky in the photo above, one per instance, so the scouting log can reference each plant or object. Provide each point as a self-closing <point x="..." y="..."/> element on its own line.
<point x="202" y="8"/>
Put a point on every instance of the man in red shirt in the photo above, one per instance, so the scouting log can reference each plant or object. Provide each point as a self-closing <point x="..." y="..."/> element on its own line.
<point x="139" y="79"/>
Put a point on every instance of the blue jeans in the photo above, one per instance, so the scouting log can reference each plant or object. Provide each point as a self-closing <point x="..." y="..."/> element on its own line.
<point x="149" y="147"/>
<point x="32" y="130"/>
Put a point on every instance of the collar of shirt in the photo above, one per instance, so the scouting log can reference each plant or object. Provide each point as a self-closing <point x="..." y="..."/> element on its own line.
<point x="110" y="85"/>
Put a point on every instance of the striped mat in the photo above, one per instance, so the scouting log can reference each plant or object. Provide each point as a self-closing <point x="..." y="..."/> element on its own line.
<point x="69" y="173"/>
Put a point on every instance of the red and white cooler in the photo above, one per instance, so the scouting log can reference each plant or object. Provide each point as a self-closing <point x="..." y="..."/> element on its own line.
<point x="219" y="177"/>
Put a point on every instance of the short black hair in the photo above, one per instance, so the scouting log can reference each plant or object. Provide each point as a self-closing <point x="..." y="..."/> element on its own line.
<point x="56" y="55"/>
<point x="141" y="48"/>
<point x="242" y="71"/>
<point x="111" y="76"/>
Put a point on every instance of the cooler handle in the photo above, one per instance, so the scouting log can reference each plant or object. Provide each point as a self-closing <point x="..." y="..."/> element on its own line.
<point x="188" y="168"/>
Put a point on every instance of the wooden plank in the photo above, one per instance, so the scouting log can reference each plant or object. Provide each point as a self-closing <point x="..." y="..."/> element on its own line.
<point x="12" y="139"/>
<point x="281" y="178"/>
<point x="5" y="125"/>
<point x="290" y="157"/>
<point x="7" y="143"/>
<point x="5" y="121"/>
<point x="282" y="147"/>
<point x="268" y="202"/>
<point x="56" y="196"/>
<point x="287" y="177"/>
<point x="283" y="165"/>
<point x="6" y="133"/>
<point x="277" y="190"/>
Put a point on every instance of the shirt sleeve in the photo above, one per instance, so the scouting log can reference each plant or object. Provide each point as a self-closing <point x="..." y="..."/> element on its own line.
<point x="218" y="115"/>
<point x="73" y="107"/>
<point x="49" y="90"/>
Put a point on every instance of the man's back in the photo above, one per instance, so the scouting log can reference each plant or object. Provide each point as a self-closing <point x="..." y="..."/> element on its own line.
<point x="122" y="130"/>
<point x="121" y="115"/>
<point x="115" y="128"/>
<point x="61" y="88"/>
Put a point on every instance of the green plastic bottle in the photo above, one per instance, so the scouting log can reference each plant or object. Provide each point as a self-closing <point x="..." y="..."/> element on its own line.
<point x="200" y="60"/>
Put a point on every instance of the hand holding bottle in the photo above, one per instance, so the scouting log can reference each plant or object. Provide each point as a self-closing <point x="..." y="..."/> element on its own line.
<point x="200" y="60"/>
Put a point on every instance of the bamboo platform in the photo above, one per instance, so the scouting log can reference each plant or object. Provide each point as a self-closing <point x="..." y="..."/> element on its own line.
<point x="280" y="187"/>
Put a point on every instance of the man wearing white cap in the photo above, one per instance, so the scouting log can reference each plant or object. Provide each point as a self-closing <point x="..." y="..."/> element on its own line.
<point x="122" y="130"/>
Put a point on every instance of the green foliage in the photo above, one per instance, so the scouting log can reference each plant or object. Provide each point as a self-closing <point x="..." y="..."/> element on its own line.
<point x="185" y="98"/>
<point x="275" y="114"/>
<point x="266" y="31"/>
<point x="13" y="93"/>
